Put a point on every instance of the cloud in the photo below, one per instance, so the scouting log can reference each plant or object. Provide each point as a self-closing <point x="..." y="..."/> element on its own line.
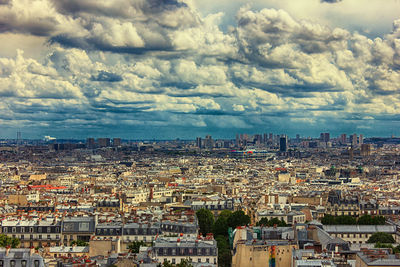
<point x="115" y="64"/>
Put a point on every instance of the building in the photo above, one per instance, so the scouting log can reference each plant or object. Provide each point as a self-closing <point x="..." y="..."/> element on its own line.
<point x="104" y="142"/>
<point x="376" y="257"/>
<point x="198" y="142"/>
<point x="34" y="233"/>
<point x="359" y="234"/>
<point x="20" y="257"/>
<point x="262" y="247"/>
<point x="90" y="143"/>
<point x="176" y="249"/>
<point x="283" y="143"/>
<point x="324" y="137"/>
<point x="116" y="142"/>
<point x="338" y="205"/>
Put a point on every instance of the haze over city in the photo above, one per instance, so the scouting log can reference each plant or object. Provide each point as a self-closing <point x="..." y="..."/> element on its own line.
<point x="166" y="69"/>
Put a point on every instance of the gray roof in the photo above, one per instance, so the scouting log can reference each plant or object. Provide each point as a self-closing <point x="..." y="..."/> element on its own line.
<point x="359" y="228"/>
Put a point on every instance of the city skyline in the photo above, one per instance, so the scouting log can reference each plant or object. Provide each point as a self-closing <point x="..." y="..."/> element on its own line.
<point x="163" y="69"/>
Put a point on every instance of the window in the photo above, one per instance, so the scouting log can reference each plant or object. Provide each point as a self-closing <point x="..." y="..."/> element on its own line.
<point x="198" y="260"/>
<point x="22" y="229"/>
<point x="208" y="260"/>
<point x="48" y="237"/>
<point x="112" y="247"/>
<point x="57" y="229"/>
<point x="23" y="263"/>
<point x="5" y="230"/>
<point x="173" y="261"/>
<point x="12" y="263"/>
<point x="14" y="229"/>
<point x="215" y="260"/>
<point x="30" y="237"/>
<point x="1" y="263"/>
<point x="36" y="263"/>
<point x="31" y="229"/>
<point x="39" y="229"/>
<point x="40" y="236"/>
<point x="48" y="229"/>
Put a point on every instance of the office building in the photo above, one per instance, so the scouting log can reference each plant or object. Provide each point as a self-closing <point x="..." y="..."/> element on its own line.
<point x="90" y="143"/>
<point x="117" y="142"/>
<point x="283" y="143"/>
<point x="198" y="142"/>
<point x="104" y="142"/>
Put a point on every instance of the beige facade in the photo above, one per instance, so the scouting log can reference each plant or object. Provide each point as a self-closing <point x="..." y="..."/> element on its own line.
<point x="249" y="255"/>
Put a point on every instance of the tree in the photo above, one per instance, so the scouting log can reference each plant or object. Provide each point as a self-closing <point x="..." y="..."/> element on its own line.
<point x="328" y="220"/>
<point x="365" y="220"/>
<point x="221" y="226"/>
<point x="184" y="263"/>
<point x="206" y="221"/>
<point x="263" y="221"/>
<point x="224" y="252"/>
<point x="9" y="241"/>
<point x="135" y="246"/>
<point x="238" y="218"/>
<point x="277" y="222"/>
<point x="380" y="237"/>
<point x="79" y="243"/>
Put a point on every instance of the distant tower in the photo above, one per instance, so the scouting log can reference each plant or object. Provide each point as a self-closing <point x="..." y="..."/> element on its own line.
<point x="343" y="139"/>
<point x="117" y="142"/>
<point x="353" y="140"/>
<point x="324" y="137"/>
<point x="283" y="143"/>
<point x="208" y="142"/>
<point x="361" y="139"/>
<point x="18" y="137"/>
<point x="90" y="143"/>
<point x="198" y="142"/>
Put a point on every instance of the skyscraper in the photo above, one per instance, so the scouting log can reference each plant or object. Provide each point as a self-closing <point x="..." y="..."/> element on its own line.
<point x="90" y="143"/>
<point x="283" y="143"/>
<point x="361" y="139"/>
<point x="208" y="142"/>
<point x="343" y="139"/>
<point x="117" y="142"/>
<point x="198" y="142"/>
<point x="324" y="137"/>
<point x="353" y="140"/>
<point x="103" y="142"/>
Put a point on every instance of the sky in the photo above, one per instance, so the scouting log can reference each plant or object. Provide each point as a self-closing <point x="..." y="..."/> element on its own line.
<point x="166" y="69"/>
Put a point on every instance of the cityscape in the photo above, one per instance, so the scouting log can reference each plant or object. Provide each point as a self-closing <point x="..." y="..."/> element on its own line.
<point x="264" y="198"/>
<point x="199" y="133"/>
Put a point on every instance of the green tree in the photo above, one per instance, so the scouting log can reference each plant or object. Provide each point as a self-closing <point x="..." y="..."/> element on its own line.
<point x="380" y="237"/>
<point x="206" y="221"/>
<point x="221" y="226"/>
<point x="224" y="252"/>
<point x="263" y="221"/>
<point x="238" y="218"/>
<point x="79" y="243"/>
<point x="328" y="219"/>
<point x="135" y="246"/>
<point x="9" y="241"/>
<point x="378" y="220"/>
<point x="184" y="263"/>
<point x="277" y="222"/>
<point x="365" y="220"/>
<point x="345" y="220"/>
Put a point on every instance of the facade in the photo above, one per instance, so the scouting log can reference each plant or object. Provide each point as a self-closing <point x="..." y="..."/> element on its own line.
<point x="359" y="233"/>
<point x="20" y="257"/>
<point x="175" y="250"/>
<point x="34" y="234"/>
